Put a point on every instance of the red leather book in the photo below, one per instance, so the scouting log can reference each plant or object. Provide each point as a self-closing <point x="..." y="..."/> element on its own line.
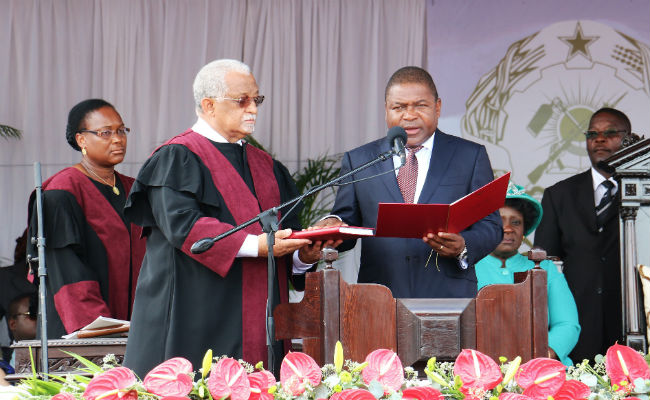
<point x="332" y="233"/>
<point x="416" y="220"/>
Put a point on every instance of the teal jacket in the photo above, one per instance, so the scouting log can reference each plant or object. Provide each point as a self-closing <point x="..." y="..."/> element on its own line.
<point x="563" y="326"/>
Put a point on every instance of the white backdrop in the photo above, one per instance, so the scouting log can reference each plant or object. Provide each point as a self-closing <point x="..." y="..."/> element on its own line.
<point x="322" y="65"/>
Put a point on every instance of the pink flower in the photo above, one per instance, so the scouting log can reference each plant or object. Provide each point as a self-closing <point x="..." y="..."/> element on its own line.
<point x="573" y="390"/>
<point x="175" y="398"/>
<point x="421" y="393"/>
<point x="541" y="377"/>
<point x="112" y="385"/>
<point x="260" y="383"/>
<point x="296" y="370"/>
<point x="479" y="372"/>
<point x="63" y="396"/>
<point x="513" y="396"/>
<point x="170" y="378"/>
<point x="385" y="367"/>
<point x="623" y="365"/>
<point x="353" y="394"/>
<point x="228" y="379"/>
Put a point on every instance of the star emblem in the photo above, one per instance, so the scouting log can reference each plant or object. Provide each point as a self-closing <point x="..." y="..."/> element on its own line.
<point x="578" y="43"/>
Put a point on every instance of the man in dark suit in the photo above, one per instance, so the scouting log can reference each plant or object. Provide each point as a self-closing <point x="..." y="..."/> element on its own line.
<point x="440" y="168"/>
<point x="581" y="226"/>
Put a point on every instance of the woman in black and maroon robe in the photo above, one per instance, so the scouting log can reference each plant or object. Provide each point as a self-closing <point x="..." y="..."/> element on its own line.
<point x="92" y="254"/>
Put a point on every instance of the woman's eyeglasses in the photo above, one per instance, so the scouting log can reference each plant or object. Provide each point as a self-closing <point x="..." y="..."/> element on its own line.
<point x="108" y="133"/>
<point x="27" y="314"/>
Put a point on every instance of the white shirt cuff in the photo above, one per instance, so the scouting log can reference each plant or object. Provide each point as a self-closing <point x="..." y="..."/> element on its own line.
<point x="299" y="267"/>
<point x="330" y="216"/>
<point x="249" y="248"/>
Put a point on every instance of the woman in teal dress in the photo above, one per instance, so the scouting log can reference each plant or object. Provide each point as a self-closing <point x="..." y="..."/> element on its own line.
<point x="520" y="216"/>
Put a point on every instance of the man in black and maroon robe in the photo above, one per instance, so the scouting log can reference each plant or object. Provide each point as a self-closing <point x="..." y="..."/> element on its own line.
<point x="200" y="184"/>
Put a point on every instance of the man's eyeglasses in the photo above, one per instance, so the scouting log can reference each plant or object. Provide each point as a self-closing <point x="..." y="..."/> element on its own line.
<point x="27" y="314"/>
<point x="108" y="133"/>
<point x="609" y="134"/>
<point x="244" y="101"/>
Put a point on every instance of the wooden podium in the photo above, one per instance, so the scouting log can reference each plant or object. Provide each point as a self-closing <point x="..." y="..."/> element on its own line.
<point x="503" y="320"/>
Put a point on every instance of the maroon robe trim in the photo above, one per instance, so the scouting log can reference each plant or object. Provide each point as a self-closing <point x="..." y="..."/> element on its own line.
<point x="243" y="205"/>
<point x="83" y="295"/>
<point x="111" y="231"/>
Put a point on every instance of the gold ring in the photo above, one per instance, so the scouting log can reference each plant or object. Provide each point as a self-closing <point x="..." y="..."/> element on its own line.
<point x="442" y="246"/>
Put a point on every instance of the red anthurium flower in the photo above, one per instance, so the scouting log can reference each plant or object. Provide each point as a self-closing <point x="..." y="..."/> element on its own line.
<point x="170" y="378"/>
<point x="421" y="393"/>
<point x="295" y="369"/>
<point x="353" y="394"/>
<point x="175" y="398"/>
<point x="573" y="390"/>
<point x="631" y="398"/>
<point x="477" y="370"/>
<point x="260" y="383"/>
<point x="385" y="367"/>
<point x="112" y="385"/>
<point x="228" y="378"/>
<point x="513" y="396"/>
<point x="63" y="396"/>
<point x="624" y="364"/>
<point x="541" y="377"/>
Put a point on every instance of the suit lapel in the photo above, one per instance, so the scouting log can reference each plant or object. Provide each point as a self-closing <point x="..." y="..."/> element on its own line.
<point x="584" y="197"/>
<point x="388" y="179"/>
<point x="440" y="158"/>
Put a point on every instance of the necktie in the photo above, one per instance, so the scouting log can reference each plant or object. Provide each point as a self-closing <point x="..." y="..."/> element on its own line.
<point x="604" y="207"/>
<point x="407" y="177"/>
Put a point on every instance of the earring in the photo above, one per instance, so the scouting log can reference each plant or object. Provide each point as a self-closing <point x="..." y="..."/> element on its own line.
<point x="83" y="151"/>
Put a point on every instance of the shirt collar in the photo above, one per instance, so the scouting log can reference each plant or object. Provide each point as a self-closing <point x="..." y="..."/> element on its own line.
<point x="204" y="129"/>
<point x="597" y="179"/>
<point x="427" y="145"/>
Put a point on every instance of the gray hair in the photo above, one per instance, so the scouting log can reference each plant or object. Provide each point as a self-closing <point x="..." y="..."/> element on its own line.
<point x="210" y="81"/>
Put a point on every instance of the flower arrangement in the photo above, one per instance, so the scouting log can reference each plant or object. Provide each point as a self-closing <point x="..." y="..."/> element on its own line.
<point x="622" y="374"/>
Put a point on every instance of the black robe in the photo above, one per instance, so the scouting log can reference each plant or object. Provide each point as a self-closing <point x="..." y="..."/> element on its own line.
<point x="186" y="304"/>
<point x="92" y="256"/>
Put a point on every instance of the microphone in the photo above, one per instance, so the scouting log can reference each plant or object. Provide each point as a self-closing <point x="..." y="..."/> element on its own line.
<point x="201" y="246"/>
<point x="397" y="138"/>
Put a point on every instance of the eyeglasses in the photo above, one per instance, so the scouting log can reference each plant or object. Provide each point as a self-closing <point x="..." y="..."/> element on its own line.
<point x="108" y="133"/>
<point x="27" y="314"/>
<point x="244" y="101"/>
<point x="609" y="134"/>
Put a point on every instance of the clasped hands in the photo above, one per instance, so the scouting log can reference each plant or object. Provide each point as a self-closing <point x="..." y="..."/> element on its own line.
<point x="308" y="251"/>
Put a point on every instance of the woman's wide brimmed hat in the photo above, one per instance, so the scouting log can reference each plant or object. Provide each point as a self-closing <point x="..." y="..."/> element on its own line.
<point x="518" y="192"/>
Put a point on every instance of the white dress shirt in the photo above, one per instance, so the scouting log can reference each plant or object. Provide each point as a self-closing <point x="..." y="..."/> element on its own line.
<point x="424" y="158"/>
<point x="599" y="189"/>
<point x="250" y="246"/>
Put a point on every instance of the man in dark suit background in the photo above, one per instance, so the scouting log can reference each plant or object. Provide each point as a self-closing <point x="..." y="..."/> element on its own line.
<point x="440" y="169"/>
<point x="581" y="226"/>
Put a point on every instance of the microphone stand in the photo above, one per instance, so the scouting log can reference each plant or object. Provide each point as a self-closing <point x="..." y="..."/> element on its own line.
<point x="42" y="270"/>
<point x="269" y="222"/>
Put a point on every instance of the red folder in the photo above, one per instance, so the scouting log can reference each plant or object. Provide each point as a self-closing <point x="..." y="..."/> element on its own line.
<point x="416" y="220"/>
<point x="332" y="233"/>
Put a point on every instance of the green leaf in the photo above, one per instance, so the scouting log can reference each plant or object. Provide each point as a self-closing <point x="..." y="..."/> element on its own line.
<point x="376" y="389"/>
<point x="7" y="132"/>
<point x="91" y="366"/>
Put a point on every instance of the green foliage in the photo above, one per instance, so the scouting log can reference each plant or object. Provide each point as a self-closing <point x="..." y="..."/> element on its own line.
<point x="317" y="171"/>
<point x="7" y="132"/>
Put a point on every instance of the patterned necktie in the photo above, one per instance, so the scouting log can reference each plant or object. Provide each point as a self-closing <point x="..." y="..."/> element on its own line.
<point x="407" y="177"/>
<point x="604" y="207"/>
